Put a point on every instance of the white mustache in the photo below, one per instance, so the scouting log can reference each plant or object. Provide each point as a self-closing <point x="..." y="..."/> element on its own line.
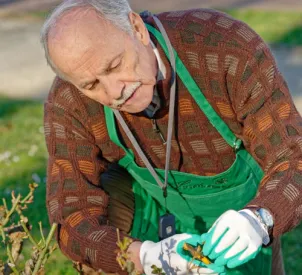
<point x="128" y="92"/>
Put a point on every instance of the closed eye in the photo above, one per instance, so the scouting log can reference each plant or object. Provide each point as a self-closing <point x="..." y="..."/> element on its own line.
<point x="94" y="84"/>
<point x="114" y="66"/>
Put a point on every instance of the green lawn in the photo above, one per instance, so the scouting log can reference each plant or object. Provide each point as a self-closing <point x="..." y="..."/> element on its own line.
<point x="275" y="27"/>
<point x="22" y="158"/>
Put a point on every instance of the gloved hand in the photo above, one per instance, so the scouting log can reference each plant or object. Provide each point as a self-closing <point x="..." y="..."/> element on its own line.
<point x="235" y="238"/>
<point x="169" y="255"/>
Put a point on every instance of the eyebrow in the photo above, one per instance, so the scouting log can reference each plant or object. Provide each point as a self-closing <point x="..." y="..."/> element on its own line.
<point x="107" y="65"/>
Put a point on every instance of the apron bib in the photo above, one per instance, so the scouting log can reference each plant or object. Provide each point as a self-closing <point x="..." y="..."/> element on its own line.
<point x="195" y="201"/>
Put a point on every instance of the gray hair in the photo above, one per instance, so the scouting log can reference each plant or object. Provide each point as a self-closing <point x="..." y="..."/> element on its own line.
<point x="116" y="11"/>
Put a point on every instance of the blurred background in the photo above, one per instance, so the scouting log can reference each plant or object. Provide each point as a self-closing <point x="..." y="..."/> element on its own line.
<point x="25" y="80"/>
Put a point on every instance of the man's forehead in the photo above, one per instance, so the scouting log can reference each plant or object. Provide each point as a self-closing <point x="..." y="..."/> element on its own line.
<point x="79" y="33"/>
<point x="79" y="23"/>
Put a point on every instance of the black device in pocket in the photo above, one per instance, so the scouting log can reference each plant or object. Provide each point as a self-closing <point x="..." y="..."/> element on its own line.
<point x="166" y="226"/>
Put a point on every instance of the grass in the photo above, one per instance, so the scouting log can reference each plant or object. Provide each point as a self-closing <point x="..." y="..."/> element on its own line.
<point x="275" y="27"/>
<point x="23" y="160"/>
<point x="23" y="157"/>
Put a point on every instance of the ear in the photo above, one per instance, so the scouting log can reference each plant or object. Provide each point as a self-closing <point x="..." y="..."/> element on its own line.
<point x="139" y="29"/>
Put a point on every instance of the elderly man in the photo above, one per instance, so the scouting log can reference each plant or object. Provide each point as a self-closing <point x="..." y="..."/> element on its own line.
<point x="177" y="129"/>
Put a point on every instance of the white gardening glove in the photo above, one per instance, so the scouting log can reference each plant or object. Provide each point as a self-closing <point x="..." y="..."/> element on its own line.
<point x="235" y="238"/>
<point x="169" y="255"/>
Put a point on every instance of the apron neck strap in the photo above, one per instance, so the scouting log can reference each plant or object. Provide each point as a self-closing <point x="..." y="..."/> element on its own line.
<point x="128" y="132"/>
<point x="197" y="94"/>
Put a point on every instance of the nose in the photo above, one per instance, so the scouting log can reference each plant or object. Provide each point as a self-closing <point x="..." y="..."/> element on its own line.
<point x="113" y="87"/>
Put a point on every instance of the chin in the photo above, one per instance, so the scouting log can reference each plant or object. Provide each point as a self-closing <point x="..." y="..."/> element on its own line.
<point x="134" y="109"/>
<point x="143" y="101"/>
<point x="137" y="108"/>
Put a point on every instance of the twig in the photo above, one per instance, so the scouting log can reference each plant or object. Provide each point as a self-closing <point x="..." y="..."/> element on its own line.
<point x="29" y="195"/>
<point x="43" y="253"/>
<point x="28" y="234"/>
<point x="2" y="234"/>
<point x="13" y="209"/>
<point x="32" y="188"/>
<point x="13" y="228"/>
<point x="51" y="250"/>
<point x="42" y="234"/>
<point x="12" y="264"/>
<point x="5" y="206"/>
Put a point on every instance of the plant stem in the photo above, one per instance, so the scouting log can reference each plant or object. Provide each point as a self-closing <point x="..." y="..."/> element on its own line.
<point x="28" y="234"/>
<point x="5" y="205"/>
<point x="43" y="253"/>
<point x="27" y="197"/>
<point x="10" y="257"/>
<point x="17" y="200"/>
<point x="41" y="232"/>
<point x="45" y="259"/>
<point x="2" y="234"/>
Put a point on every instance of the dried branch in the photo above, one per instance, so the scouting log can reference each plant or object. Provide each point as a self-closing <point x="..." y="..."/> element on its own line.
<point x="11" y="262"/>
<point x="45" y="249"/>
<point x="123" y="256"/>
<point x="42" y="234"/>
<point x="15" y="202"/>
<point x="13" y="236"/>
<point x="5" y="205"/>
<point x="30" y="237"/>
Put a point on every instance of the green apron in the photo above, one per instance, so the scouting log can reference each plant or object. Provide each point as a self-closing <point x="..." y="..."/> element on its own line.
<point x="195" y="201"/>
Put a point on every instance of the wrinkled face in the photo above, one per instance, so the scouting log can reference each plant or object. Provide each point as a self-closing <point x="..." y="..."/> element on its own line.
<point x="105" y="63"/>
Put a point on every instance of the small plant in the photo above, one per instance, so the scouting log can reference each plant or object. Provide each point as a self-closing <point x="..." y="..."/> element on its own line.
<point x="157" y="270"/>
<point x="122" y="255"/>
<point x="14" y="233"/>
<point x="86" y="270"/>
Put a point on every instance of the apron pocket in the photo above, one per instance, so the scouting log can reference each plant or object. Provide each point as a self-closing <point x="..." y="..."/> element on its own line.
<point x="211" y="206"/>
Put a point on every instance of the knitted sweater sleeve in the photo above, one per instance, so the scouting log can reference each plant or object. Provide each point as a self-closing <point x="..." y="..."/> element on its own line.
<point x="75" y="200"/>
<point x="272" y="132"/>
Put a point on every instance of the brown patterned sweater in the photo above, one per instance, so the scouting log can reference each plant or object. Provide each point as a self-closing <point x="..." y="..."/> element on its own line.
<point x="238" y="75"/>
